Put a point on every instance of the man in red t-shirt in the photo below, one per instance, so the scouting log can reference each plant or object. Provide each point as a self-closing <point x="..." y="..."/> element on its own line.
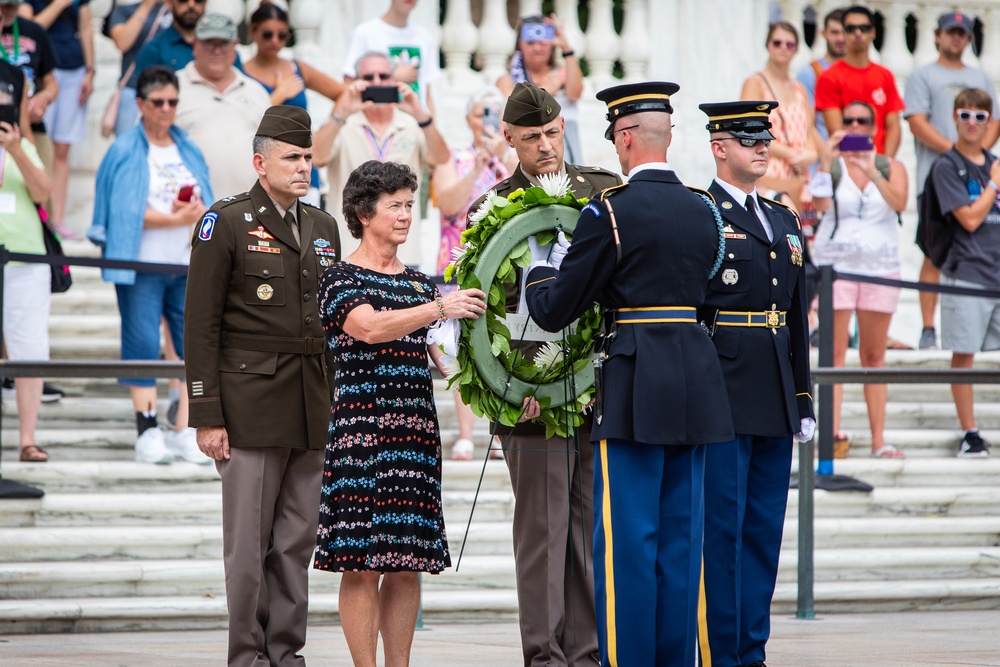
<point x="856" y="79"/>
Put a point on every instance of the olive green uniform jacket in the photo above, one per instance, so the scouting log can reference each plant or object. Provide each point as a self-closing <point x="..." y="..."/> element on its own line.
<point x="256" y="358"/>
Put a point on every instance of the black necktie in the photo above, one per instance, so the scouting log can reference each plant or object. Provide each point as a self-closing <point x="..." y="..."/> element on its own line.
<point x="752" y="210"/>
<point x="290" y="221"/>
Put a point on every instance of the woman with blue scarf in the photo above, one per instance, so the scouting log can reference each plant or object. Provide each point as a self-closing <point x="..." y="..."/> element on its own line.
<point x="152" y="186"/>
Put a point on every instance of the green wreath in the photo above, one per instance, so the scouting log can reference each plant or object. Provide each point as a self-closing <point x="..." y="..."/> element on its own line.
<point x="492" y="379"/>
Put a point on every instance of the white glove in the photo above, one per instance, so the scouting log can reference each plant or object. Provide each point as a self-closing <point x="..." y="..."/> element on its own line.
<point x="559" y="251"/>
<point x="807" y="427"/>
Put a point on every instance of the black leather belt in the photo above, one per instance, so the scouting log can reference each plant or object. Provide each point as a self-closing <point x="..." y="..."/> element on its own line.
<point x="280" y="344"/>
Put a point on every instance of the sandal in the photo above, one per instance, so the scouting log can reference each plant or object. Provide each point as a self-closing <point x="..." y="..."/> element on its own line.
<point x="888" y="452"/>
<point x="462" y="450"/>
<point x="34" y="454"/>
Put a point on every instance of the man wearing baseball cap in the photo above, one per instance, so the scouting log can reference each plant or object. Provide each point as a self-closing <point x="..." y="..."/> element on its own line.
<point x="930" y="97"/>
<point x="220" y="106"/>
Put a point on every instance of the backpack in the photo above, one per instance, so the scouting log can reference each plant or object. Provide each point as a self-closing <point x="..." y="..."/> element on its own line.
<point x="882" y="163"/>
<point x="936" y="230"/>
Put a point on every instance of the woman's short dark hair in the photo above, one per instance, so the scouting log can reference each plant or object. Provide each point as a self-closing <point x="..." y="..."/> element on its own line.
<point x="266" y="12"/>
<point x="366" y="185"/>
<point x="153" y="78"/>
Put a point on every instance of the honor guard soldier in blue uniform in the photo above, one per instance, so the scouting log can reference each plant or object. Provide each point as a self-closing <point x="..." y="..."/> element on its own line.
<point x="259" y="387"/>
<point x="756" y="312"/>
<point x="645" y="251"/>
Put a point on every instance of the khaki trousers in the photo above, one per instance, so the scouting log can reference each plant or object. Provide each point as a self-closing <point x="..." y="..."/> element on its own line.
<point x="555" y="578"/>
<point x="270" y="510"/>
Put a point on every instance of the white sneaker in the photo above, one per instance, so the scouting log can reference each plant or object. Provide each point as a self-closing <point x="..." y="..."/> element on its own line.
<point x="151" y="447"/>
<point x="183" y="444"/>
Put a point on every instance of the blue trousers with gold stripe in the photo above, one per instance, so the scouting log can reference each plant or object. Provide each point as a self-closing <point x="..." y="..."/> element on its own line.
<point x="746" y="491"/>
<point x="649" y="511"/>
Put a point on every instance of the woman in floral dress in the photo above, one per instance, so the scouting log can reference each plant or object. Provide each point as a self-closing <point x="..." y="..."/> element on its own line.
<point x="380" y="518"/>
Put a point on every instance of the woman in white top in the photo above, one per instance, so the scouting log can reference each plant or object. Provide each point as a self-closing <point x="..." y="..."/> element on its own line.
<point x="859" y="234"/>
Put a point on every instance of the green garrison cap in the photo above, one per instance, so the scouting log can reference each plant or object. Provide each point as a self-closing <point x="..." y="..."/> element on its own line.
<point x="743" y="120"/>
<point x="287" y="123"/>
<point x="530" y="106"/>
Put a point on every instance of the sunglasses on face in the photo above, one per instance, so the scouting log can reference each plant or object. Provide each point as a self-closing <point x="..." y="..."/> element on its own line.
<point x="268" y="35"/>
<point x="864" y="29"/>
<point x="172" y="103"/>
<point x="190" y="2"/>
<point x="749" y="143"/>
<point x="777" y="43"/>
<point x="862" y="121"/>
<point x="967" y="116"/>
<point x="382" y="76"/>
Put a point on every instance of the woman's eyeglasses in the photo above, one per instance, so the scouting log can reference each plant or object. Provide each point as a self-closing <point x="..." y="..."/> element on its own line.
<point x="268" y="35"/>
<point x="866" y="28"/>
<point x="791" y="46"/>
<point x="863" y="122"/>
<point x="172" y="103"/>
<point x="382" y="76"/>
<point x="967" y="116"/>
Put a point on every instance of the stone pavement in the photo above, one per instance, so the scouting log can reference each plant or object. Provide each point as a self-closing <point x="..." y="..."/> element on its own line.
<point x="909" y="639"/>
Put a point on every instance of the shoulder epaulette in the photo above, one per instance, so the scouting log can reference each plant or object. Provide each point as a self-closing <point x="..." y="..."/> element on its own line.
<point x="595" y="170"/>
<point x="788" y="208"/>
<point x="705" y="193"/>
<point x="226" y="201"/>
<point x="610" y="191"/>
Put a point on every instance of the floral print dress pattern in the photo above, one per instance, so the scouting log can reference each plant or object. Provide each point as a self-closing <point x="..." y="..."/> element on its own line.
<point x="380" y="508"/>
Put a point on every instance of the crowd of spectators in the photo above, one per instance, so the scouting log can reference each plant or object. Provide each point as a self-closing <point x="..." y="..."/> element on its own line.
<point x="220" y="100"/>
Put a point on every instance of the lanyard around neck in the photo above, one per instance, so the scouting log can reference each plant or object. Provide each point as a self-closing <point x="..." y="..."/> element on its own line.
<point x="16" y="29"/>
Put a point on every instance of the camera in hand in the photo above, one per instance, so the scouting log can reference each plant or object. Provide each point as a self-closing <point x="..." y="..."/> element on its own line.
<point x="491" y="119"/>
<point x="537" y="32"/>
<point x="380" y="94"/>
<point x="8" y="114"/>
<point x="856" y="142"/>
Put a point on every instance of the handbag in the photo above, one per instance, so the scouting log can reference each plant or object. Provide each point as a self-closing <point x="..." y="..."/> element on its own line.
<point x="109" y="117"/>
<point x="61" y="278"/>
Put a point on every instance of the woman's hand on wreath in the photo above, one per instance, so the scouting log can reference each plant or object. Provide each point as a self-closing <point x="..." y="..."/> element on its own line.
<point x="462" y="304"/>
<point x="530" y="409"/>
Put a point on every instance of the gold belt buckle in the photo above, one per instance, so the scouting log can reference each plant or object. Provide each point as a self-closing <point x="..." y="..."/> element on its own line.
<point x="772" y="319"/>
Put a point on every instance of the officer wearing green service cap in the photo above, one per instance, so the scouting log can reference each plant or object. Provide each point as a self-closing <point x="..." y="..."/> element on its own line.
<point x="756" y="312"/>
<point x="258" y="384"/>
<point x="645" y="251"/>
<point x="555" y="589"/>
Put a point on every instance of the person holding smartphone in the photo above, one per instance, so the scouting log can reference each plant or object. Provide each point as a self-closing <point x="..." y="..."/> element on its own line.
<point x="377" y="118"/>
<point x="859" y="233"/>
<point x="151" y="188"/>
<point x="535" y="61"/>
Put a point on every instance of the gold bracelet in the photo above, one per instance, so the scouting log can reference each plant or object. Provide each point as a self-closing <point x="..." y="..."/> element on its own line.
<point x="442" y="316"/>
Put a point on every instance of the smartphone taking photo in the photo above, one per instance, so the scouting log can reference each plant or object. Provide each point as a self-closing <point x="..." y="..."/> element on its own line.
<point x="186" y="193"/>
<point x="856" y="142"/>
<point x="8" y="114"/>
<point x="380" y="94"/>
<point x="491" y="119"/>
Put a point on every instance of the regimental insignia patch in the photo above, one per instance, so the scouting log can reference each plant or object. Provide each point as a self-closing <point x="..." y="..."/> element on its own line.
<point x="248" y="217"/>
<point x="727" y="205"/>
<point x="207" y="226"/>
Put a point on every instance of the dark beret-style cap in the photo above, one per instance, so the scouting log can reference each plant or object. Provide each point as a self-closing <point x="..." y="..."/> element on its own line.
<point x="632" y="98"/>
<point x="530" y="106"/>
<point x="287" y="123"/>
<point x="743" y="120"/>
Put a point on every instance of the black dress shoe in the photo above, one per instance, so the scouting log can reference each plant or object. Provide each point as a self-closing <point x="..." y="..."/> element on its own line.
<point x="759" y="663"/>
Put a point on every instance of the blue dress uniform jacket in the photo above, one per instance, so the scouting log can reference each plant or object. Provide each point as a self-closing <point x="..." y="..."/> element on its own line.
<point x="255" y="346"/>
<point x="767" y="370"/>
<point x="662" y="382"/>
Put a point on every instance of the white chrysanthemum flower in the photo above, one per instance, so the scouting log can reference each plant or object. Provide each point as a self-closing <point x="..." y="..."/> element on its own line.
<point x="548" y="355"/>
<point x="450" y="364"/>
<point x="458" y="252"/>
<point x="555" y="185"/>
<point x="483" y="210"/>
